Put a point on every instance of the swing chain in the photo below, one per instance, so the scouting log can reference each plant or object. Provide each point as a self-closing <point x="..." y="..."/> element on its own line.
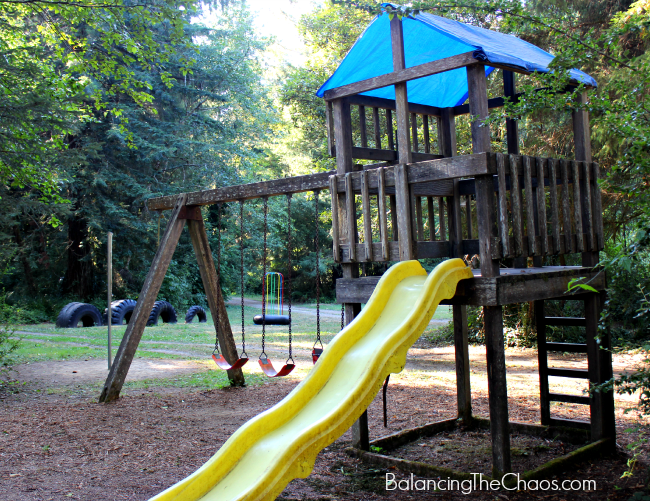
<point x="266" y="206"/>
<point x="241" y="275"/>
<point x="317" y="245"/>
<point x="289" y="272"/>
<point x="342" y="315"/>
<point x="216" y="313"/>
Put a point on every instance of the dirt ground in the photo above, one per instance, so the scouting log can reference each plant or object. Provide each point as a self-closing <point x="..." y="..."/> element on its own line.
<point x="66" y="446"/>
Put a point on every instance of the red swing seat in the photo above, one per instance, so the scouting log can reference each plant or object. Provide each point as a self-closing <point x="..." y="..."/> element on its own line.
<point x="315" y="354"/>
<point x="269" y="370"/>
<point x="223" y="363"/>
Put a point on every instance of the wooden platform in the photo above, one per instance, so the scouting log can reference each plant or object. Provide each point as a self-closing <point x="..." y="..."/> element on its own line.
<point x="514" y="285"/>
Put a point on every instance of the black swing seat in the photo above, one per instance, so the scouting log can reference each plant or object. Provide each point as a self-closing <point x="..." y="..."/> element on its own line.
<point x="271" y="320"/>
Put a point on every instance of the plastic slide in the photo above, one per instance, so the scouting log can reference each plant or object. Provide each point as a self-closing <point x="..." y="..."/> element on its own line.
<point x="266" y="453"/>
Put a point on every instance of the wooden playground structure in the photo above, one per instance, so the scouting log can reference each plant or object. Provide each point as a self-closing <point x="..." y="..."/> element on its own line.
<point x="509" y="209"/>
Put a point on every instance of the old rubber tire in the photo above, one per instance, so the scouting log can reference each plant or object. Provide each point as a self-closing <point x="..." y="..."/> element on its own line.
<point x="121" y="311"/>
<point x="163" y="310"/>
<point x="73" y="313"/>
<point x="196" y="311"/>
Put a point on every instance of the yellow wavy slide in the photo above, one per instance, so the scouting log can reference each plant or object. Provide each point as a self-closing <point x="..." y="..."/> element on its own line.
<point x="266" y="453"/>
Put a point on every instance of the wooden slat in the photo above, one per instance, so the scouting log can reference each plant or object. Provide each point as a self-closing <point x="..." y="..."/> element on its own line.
<point x="597" y="206"/>
<point x="376" y="127"/>
<point x="587" y="209"/>
<point x="351" y="213"/>
<point x="577" y="212"/>
<point x="555" y="213"/>
<point x="566" y="208"/>
<point x="399" y="76"/>
<point x="530" y="200"/>
<point x="542" y="361"/>
<point x="566" y="321"/>
<point x="503" y="205"/>
<point x="418" y="218"/>
<point x="441" y="218"/>
<point x="570" y="399"/>
<point x="541" y="205"/>
<point x="571" y="373"/>
<point x="329" y="115"/>
<point x="468" y="215"/>
<point x="515" y="196"/>
<point x="389" y="129"/>
<point x="414" y="132"/>
<point x="432" y="219"/>
<point x="383" y="216"/>
<point x="363" y="127"/>
<point x="367" y="214"/>
<point x="425" y="127"/>
<point x="567" y="347"/>
<point x="335" y="219"/>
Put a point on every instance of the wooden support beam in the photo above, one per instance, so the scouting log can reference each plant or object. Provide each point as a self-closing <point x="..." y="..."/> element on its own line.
<point x="461" y="348"/>
<point x="215" y="299"/>
<point x="425" y="129"/>
<point x="542" y="360"/>
<point x="512" y="126"/>
<point x="389" y="129"/>
<point x="335" y="219"/>
<point x="401" y="97"/>
<point x="389" y="104"/>
<point x="541" y="205"/>
<point x="419" y="221"/>
<point x="414" y="132"/>
<point x="555" y="212"/>
<point x="530" y="211"/>
<point x="343" y="135"/>
<point x="401" y="74"/>
<point x="403" y="203"/>
<point x="566" y="207"/>
<point x="504" y="234"/>
<point x="146" y="299"/>
<point x="432" y="219"/>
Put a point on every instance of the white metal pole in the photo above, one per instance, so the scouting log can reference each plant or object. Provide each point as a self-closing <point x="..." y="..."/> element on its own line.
<point x="109" y="279"/>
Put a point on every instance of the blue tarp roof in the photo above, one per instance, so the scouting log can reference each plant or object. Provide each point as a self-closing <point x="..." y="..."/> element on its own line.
<point x="429" y="38"/>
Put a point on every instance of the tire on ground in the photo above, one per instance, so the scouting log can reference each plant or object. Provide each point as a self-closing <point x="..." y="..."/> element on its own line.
<point x="73" y="313"/>
<point x="196" y="311"/>
<point x="121" y="311"/>
<point x="164" y="311"/>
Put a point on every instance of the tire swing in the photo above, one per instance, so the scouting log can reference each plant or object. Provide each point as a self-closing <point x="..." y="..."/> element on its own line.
<point x="216" y="354"/>
<point x="265" y="363"/>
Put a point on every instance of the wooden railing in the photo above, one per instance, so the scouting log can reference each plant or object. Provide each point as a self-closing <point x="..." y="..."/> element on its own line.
<point x="541" y="211"/>
<point x="374" y="130"/>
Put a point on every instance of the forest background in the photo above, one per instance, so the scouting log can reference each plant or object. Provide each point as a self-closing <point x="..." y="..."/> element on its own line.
<point x="105" y="104"/>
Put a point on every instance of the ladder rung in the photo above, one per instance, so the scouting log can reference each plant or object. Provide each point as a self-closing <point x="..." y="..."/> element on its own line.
<point x="567" y="347"/>
<point x="570" y="423"/>
<point x="570" y="399"/>
<point x="566" y="321"/>
<point x="574" y="373"/>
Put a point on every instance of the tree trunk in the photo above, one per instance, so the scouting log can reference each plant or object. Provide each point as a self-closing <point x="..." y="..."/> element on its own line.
<point x="79" y="274"/>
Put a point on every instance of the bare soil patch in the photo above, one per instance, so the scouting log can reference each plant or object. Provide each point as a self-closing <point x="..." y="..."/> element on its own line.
<point x="66" y="446"/>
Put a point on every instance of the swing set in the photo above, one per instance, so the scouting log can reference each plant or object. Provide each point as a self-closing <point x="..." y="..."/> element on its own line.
<point x="272" y="294"/>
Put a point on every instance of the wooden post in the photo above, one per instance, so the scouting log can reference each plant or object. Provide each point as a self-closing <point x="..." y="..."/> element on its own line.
<point x="146" y="299"/>
<point x="109" y="282"/>
<point x="599" y="353"/>
<point x="213" y="294"/>
<point x="493" y="315"/>
<point x="542" y="358"/>
<point x="401" y="98"/>
<point x="403" y="204"/>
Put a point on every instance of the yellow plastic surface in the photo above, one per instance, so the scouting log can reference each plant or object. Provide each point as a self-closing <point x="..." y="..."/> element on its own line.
<point x="266" y="453"/>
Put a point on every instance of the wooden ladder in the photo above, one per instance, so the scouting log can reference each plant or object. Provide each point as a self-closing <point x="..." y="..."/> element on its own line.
<point x="543" y="347"/>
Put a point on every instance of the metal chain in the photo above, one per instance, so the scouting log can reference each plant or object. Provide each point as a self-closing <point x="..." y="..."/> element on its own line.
<point x="289" y="271"/>
<point x="216" y="312"/>
<point x="241" y="275"/>
<point x="266" y="207"/>
<point x="342" y="315"/>
<point x="317" y="245"/>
